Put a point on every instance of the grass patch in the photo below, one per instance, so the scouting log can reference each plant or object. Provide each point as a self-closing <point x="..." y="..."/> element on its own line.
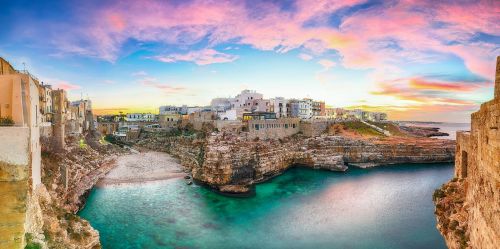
<point x="389" y="126"/>
<point x="361" y="128"/>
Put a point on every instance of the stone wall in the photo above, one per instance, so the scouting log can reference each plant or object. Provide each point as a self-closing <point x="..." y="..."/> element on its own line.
<point x="273" y="128"/>
<point x="14" y="153"/>
<point x="477" y="168"/>
<point x="314" y="128"/>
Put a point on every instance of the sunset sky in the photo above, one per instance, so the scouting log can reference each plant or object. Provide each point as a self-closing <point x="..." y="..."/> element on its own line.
<point x="417" y="60"/>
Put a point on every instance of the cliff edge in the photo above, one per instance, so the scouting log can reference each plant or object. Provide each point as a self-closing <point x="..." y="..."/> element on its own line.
<point x="468" y="207"/>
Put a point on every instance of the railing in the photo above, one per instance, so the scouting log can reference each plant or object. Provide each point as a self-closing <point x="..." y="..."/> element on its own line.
<point x="28" y="73"/>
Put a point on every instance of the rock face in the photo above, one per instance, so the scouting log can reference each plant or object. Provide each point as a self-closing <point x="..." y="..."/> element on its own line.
<point x="68" y="177"/>
<point x="224" y="161"/>
<point x="476" y="194"/>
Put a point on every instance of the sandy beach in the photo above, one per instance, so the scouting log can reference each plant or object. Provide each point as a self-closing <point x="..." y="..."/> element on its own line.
<point x="143" y="167"/>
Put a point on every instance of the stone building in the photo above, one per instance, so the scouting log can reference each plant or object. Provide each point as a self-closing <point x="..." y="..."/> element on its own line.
<point x="107" y="128"/>
<point x="45" y="92"/>
<point x="318" y="108"/>
<point x="20" y="154"/>
<point x="141" y="117"/>
<point x="20" y="147"/>
<point x="169" y="121"/>
<point x="377" y="116"/>
<point x="477" y="161"/>
<point x="273" y="128"/>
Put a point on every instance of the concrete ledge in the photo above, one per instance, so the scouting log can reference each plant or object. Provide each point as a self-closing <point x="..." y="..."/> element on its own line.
<point x="9" y="172"/>
<point x="14" y="145"/>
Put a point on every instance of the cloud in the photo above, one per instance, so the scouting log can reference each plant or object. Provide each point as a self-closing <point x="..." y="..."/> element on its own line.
<point x="305" y="57"/>
<point x="109" y="82"/>
<point x="200" y="57"/>
<point x="165" y="88"/>
<point x="424" y="92"/>
<point x="386" y="34"/>
<point x="62" y="84"/>
<point x="422" y="84"/>
<point x="139" y="74"/>
<point x="327" y="64"/>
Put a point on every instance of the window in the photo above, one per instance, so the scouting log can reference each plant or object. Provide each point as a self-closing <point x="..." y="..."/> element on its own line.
<point x="286" y="126"/>
<point x="293" y="125"/>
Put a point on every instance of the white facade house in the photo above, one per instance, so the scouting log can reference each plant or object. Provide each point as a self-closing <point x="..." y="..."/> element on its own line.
<point x="279" y="105"/>
<point x="194" y="109"/>
<point x="377" y="116"/>
<point x="242" y="99"/>
<point x="228" y="115"/>
<point x="220" y="104"/>
<point x="302" y="108"/>
<point x="168" y="109"/>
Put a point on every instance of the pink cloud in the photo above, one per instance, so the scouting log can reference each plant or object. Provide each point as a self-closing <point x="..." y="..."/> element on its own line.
<point x="363" y="39"/>
<point x="201" y="57"/>
<point x="327" y="64"/>
<point x="416" y="91"/>
<point x="305" y="57"/>
<point x="62" y="84"/>
<point x="165" y="88"/>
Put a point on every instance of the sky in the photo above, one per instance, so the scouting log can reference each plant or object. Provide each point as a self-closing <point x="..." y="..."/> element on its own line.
<point x="416" y="60"/>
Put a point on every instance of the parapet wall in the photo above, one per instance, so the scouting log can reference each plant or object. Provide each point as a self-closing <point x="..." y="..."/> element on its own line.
<point x="273" y="128"/>
<point x="483" y="176"/>
<point x="477" y="167"/>
<point x="14" y="153"/>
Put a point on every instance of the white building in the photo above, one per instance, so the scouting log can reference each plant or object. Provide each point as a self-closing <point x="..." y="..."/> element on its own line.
<point x="279" y="105"/>
<point x="194" y="109"/>
<point x="377" y="116"/>
<point x="302" y="109"/>
<point x="228" y="115"/>
<point x="242" y="99"/>
<point x="221" y="104"/>
<point x="168" y="109"/>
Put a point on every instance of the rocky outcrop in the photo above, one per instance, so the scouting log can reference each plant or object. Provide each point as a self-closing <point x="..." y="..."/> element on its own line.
<point x="476" y="193"/>
<point x="423" y="131"/>
<point x="68" y="177"/>
<point x="224" y="160"/>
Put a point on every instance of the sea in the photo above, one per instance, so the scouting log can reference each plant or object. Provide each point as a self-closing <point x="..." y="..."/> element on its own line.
<point x="387" y="207"/>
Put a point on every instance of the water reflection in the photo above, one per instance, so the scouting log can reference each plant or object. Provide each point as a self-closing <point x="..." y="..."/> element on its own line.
<point x="387" y="207"/>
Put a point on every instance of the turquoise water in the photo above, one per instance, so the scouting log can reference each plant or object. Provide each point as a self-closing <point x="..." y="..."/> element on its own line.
<point x="384" y="207"/>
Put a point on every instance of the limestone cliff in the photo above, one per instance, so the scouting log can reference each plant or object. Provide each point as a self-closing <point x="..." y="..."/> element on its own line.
<point x="232" y="163"/>
<point x="67" y="177"/>
<point x="468" y="208"/>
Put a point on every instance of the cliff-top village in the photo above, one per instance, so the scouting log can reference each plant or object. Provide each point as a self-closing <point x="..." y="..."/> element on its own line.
<point x="250" y="124"/>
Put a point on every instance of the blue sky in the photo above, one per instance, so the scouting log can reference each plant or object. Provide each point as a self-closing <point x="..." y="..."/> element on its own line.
<point x="415" y="60"/>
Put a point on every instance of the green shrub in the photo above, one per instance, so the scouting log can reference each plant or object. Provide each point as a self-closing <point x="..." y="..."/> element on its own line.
<point x="438" y="194"/>
<point x="6" y="121"/>
<point x="29" y="242"/>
